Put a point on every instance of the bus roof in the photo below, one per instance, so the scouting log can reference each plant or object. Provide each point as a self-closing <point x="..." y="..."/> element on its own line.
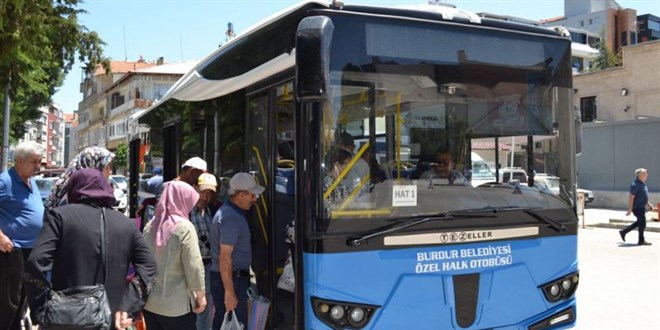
<point x="197" y="86"/>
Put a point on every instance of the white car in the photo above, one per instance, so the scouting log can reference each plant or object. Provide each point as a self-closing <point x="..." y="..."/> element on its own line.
<point x="551" y="182"/>
<point x="508" y="174"/>
<point x="120" y="196"/>
<point x="121" y="181"/>
<point x="588" y="195"/>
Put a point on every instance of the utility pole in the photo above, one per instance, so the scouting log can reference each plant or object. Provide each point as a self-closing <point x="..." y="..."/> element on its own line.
<point x="230" y="32"/>
<point x="5" y="131"/>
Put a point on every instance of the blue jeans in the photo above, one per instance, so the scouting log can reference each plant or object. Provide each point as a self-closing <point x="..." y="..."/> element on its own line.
<point x="241" y="284"/>
<point x="640" y="224"/>
<point x="205" y="319"/>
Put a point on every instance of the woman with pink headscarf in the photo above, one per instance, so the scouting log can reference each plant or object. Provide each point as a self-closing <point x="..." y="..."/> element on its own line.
<point x="178" y="291"/>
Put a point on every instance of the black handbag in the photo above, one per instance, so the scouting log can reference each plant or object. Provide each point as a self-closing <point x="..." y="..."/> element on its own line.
<point x="79" y="307"/>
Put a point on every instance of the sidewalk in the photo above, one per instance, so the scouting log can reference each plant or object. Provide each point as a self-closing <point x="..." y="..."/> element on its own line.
<point x="614" y="218"/>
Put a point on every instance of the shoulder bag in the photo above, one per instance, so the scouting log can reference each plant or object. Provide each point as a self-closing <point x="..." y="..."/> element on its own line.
<point x="79" y="307"/>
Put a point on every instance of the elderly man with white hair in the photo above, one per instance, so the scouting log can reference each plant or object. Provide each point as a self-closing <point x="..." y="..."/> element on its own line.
<point x="21" y="218"/>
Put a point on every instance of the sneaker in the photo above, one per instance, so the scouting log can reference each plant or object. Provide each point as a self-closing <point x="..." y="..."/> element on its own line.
<point x="644" y="243"/>
<point x="623" y="235"/>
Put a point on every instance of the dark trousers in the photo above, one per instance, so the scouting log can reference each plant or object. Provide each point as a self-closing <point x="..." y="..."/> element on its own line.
<point x="12" y="294"/>
<point x="160" y="322"/>
<point x="640" y="224"/>
<point x="241" y="285"/>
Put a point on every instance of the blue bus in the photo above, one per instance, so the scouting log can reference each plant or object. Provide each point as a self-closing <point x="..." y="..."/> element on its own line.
<point x="399" y="245"/>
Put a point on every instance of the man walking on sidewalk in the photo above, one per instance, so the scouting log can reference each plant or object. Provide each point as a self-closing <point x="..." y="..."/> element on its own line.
<point x="637" y="202"/>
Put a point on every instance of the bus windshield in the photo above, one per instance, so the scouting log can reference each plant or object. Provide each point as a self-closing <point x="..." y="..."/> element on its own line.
<point x="403" y="115"/>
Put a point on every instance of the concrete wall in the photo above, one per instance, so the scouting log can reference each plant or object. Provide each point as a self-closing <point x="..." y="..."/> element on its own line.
<point x="610" y="154"/>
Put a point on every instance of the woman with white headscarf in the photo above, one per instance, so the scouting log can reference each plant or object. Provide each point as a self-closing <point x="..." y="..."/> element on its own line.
<point x="91" y="157"/>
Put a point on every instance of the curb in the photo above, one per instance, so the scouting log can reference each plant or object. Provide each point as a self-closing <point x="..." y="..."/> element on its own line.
<point x="651" y="226"/>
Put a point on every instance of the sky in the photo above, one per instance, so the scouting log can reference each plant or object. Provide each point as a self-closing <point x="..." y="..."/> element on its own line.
<point x="182" y="30"/>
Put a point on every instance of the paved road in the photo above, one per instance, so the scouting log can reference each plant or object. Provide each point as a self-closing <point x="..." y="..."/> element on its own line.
<point x="619" y="283"/>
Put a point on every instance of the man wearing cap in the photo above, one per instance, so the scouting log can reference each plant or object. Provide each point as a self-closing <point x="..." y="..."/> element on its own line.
<point x="231" y="250"/>
<point x="191" y="170"/>
<point x="201" y="218"/>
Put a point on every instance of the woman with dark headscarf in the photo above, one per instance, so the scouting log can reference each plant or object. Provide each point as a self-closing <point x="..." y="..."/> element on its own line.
<point x="91" y="157"/>
<point x="178" y="291"/>
<point x="69" y="246"/>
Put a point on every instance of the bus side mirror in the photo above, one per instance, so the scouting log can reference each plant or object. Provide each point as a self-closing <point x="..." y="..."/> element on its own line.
<point x="313" y="40"/>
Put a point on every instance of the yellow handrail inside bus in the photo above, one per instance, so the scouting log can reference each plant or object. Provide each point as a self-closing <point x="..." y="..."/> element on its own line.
<point x="347" y="169"/>
<point x="336" y="214"/>
<point x="354" y="193"/>
<point x="261" y="223"/>
<point x="263" y="174"/>
<point x="263" y="201"/>
<point x="261" y="163"/>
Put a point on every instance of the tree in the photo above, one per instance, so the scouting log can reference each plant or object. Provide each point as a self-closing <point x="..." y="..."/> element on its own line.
<point x="605" y="58"/>
<point x="39" y="43"/>
<point x="121" y="156"/>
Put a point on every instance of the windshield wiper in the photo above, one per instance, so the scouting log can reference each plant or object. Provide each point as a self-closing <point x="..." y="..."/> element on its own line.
<point x="392" y="228"/>
<point x="528" y="210"/>
<point x="462" y="214"/>
<point x="556" y="225"/>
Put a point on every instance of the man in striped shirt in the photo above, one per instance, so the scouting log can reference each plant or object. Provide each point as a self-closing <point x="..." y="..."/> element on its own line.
<point x="201" y="217"/>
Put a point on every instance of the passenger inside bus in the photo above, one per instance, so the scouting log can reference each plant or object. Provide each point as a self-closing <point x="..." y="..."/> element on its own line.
<point x="336" y="192"/>
<point x="360" y="169"/>
<point x="442" y="170"/>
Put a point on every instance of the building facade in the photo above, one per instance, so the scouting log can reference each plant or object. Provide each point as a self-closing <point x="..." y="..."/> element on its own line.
<point x="111" y="99"/>
<point x="70" y="124"/>
<point x="630" y="91"/>
<point x="606" y="18"/>
<point x="92" y="110"/>
<point x="48" y="131"/>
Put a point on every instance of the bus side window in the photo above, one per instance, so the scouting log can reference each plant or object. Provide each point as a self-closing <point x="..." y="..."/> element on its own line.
<point x="285" y="172"/>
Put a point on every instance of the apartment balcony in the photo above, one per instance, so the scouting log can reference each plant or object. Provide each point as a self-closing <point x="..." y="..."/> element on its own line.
<point x="131" y="104"/>
<point x="122" y="108"/>
<point x="90" y="101"/>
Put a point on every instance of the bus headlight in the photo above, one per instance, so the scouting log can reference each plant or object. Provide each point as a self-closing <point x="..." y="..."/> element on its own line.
<point x="356" y="315"/>
<point x="337" y="312"/>
<point x="562" y="288"/>
<point x="341" y="315"/>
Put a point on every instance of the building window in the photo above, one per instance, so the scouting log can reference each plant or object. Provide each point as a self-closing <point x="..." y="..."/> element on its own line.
<point x="591" y="21"/>
<point x="588" y="108"/>
<point x="578" y="64"/>
<point x="624" y="38"/>
<point x="653" y="25"/>
<point x="581" y="23"/>
<point x="159" y="91"/>
<point x="116" y="100"/>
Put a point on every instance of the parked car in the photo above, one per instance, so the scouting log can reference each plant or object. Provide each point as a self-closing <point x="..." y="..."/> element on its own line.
<point x="45" y="185"/>
<point x="588" y="195"/>
<point x="508" y="174"/>
<point x="121" y="181"/>
<point x="481" y="172"/>
<point x="551" y="182"/>
<point x="120" y="196"/>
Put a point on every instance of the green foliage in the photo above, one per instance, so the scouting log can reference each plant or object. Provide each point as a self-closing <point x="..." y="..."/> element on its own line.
<point x="605" y="58"/>
<point x="39" y="43"/>
<point x="121" y="156"/>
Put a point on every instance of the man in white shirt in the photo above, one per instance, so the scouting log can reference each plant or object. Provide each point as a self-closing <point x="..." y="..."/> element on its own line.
<point x="360" y="169"/>
<point x="442" y="170"/>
